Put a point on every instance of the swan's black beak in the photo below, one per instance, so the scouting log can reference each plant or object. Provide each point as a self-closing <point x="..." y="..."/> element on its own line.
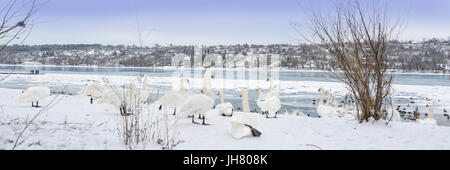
<point x="241" y="95"/>
<point x="212" y="76"/>
<point x="268" y="79"/>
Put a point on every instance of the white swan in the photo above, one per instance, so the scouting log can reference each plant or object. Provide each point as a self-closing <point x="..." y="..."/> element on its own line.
<point x="430" y="120"/>
<point x="393" y="114"/>
<point x="174" y="98"/>
<point x="225" y="109"/>
<point x="260" y="102"/>
<point x="324" y="109"/>
<point x="298" y="113"/>
<point x="34" y="93"/>
<point x="269" y="105"/>
<point x="341" y="111"/>
<point x="244" y="124"/>
<point x="92" y="90"/>
<point x="117" y="97"/>
<point x="199" y="104"/>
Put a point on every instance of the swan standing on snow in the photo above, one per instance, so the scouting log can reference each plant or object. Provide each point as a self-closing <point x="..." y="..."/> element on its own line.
<point x="243" y="123"/>
<point x="34" y="93"/>
<point x="430" y="120"/>
<point x="93" y="90"/>
<point x="175" y="98"/>
<point x="393" y="114"/>
<point x="269" y="105"/>
<point x="120" y="96"/>
<point x="225" y="109"/>
<point x="199" y="104"/>
<point x="324" y="109"/>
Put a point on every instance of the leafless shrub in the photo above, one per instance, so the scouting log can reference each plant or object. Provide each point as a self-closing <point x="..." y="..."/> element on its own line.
<point x="357" y="37"/>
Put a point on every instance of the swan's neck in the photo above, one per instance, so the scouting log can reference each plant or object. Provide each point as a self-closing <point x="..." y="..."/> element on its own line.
<point x="207" y="80"/>
<point x="208" y="93"/>
<point x="259" y="94"/>
<point x="182" y="86"/>
<point x="321" y="97"/>
<point x="222" y="100"/>
<point x="270" y="86"/>
<point x="329" y="98"/>
<point x="392" y="100"/>
<point x="245" y="107"/>
<point x="431" y="112"/>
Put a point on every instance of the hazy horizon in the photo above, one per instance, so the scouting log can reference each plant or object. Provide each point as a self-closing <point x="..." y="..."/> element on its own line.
<point x="203" y="22"/>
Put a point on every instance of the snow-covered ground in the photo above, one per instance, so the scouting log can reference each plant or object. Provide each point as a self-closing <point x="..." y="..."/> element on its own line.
<point x="73" y="123"/>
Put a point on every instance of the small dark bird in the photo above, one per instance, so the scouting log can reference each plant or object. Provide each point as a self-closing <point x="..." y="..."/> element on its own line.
<point x="21" y="24"/>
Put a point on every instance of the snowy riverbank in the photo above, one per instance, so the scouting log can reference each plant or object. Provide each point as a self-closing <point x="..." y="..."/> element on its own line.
<point x="73" y="123"/>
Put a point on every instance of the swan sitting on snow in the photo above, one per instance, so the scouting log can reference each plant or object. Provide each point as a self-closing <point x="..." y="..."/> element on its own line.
<point x="34" y="93"/>
<point x="269" y="105"/>
<point x="225" y="109"/>
<point x="243" y="123"/>
<point x="175" y="98"/>
<point x="324" y="109"/>
<point x="298" y="113"/>
<point x="430" y="120"/>
<point x="199" y="104"/>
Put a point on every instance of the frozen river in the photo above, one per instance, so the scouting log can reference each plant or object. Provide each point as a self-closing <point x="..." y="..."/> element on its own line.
<point x="299" y="87"/>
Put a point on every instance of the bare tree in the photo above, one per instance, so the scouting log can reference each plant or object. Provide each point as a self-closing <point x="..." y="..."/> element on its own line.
<point x="357" y="35"/>
<point x="15" y="21"/>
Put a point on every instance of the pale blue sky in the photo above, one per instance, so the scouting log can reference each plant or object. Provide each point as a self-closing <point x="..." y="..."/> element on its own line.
<point x="206" y="22"/>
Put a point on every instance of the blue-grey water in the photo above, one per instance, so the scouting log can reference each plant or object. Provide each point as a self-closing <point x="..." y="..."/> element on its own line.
<point x="302" y="101"/>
